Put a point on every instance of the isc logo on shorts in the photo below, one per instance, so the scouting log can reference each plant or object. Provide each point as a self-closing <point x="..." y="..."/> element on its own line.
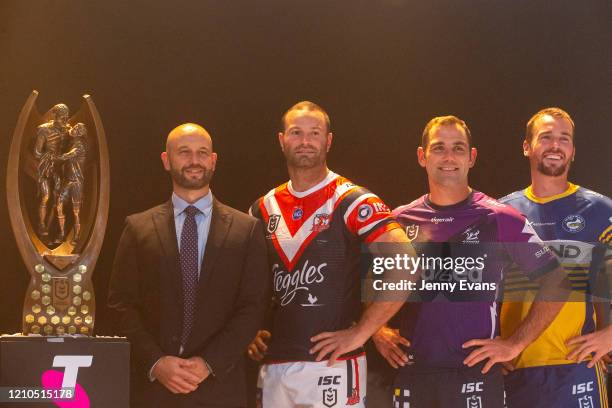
<point x="582" y="388"/>
<point x="329" y="380"/>
<point x="472" y="387"/>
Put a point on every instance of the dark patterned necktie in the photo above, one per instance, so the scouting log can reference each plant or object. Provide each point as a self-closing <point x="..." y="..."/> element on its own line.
<point x="189" y="268"/>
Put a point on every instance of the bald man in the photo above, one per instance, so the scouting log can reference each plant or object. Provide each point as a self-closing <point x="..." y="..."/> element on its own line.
<point x="189" y="286"/>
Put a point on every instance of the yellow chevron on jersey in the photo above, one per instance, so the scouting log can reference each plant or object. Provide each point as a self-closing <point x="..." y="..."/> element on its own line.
<point x="577" y="226"/>
<point x="606" y="236"/>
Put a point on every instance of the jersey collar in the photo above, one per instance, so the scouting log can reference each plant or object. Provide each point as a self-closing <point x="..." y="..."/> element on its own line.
<point x="300" y="194"/>
<point x="571" y="189"/>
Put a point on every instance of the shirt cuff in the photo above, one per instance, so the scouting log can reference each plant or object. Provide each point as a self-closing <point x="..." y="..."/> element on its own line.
<point x="210" y="370"/>
<point x="151" y="376"/>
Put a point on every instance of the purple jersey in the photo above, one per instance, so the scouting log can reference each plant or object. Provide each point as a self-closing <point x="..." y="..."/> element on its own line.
<point x="488" y="235"/>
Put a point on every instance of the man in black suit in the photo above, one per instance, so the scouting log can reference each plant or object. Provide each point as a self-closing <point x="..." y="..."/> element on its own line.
<point x="189" y="286"/>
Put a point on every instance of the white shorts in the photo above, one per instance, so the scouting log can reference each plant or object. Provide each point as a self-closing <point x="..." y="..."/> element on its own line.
<point x="306" y="384"/>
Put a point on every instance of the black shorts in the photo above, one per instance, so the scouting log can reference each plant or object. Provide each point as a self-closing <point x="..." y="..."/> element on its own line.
<point x="449" y="388"/>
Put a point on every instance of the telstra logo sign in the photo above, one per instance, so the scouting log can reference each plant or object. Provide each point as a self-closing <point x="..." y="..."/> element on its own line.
<point x="54" y="379"/>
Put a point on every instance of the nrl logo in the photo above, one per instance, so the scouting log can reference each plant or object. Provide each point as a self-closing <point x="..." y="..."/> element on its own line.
<point x="273" y="223"/>
<point x="474" y="401"/>
<point x="586" y="402"/>
<point x="61" y="293"/>
<point x="330" y="397"/>
<point x="412" y="231"/>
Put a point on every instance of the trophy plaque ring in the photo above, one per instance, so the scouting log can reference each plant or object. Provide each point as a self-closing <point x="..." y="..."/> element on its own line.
<point x="58" y="184"/>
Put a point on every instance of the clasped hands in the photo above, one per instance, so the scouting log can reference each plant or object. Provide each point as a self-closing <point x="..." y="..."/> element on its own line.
<point x="179" y="375"/>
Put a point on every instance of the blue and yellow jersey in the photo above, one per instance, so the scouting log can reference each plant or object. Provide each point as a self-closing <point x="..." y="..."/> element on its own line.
<point x="577" y="226"/>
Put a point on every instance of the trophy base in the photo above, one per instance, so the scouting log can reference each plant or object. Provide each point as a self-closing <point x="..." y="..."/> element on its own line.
<point x="59" y="303"/>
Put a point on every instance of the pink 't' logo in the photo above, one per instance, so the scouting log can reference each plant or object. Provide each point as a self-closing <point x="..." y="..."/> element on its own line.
<point x="53" y="379"/>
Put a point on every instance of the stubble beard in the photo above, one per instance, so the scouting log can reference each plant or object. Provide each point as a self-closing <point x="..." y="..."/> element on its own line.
<point x="179" y="177"/>
<point x="552" y="171"/>
<point x="301" y="161"/>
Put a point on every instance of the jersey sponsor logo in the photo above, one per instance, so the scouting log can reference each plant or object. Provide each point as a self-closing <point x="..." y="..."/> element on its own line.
<point x="312" y="301"/>
<point x="470" y="387"/>
<point x="573" y="223"/>
<point x="364" y="212"/>
<point x="297" y="213"/>
<point x="542" y="224"/>
<point x="582" y="388"/>
<point x="437" y="220"/>
<point x="412" y="231"/>
<point x="287" y="285"/>
<point x="273" y="223"/>
<point x="586" y="402"/>
<point x="566" y="251"/>
<point x="330" y="397"/>
<point x="329" y="380"/>
<point x="380" y="207"/>
<point x="474" y="401"/>
<point x="471" y="236"/>
<point x="320" y="222"/>
<point x="572" y="252"/>
<point x="542" y="251"/>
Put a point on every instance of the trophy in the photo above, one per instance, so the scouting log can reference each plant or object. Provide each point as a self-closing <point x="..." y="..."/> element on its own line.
<point x="58" y="186"/>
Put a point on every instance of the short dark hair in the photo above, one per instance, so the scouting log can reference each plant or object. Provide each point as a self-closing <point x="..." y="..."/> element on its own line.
<point x="552" y="111"/>
<point x="449" y="120"/>
<point x="309" y="107"/>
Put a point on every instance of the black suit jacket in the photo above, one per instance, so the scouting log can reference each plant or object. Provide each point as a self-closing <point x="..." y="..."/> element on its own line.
<point x="146" y="297"/>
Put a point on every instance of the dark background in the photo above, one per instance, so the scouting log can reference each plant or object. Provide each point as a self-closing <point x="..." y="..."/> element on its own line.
<point x="382" y="69"/>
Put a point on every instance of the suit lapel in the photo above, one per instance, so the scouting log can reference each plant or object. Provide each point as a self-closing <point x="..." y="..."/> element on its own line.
<point x="219" y="228"/>
<point x="166" y="232"/>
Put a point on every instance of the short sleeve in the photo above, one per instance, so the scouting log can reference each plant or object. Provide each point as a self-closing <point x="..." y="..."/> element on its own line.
<point x="367" y="216"/>
<point x="523" y="245"/>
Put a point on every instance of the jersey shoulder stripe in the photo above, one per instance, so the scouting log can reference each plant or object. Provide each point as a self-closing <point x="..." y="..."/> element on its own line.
<point x="517" y="195"/>
<point x="366" y="215"/>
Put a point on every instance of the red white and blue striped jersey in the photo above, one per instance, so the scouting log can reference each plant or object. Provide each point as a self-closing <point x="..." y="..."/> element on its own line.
<point x="314" y="244"/>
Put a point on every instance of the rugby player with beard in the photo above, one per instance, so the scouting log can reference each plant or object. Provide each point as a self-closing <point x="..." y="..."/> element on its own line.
<point x="447" y="349"/>
<point x="316" y="224"/>
<point x="576" y="223"/>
